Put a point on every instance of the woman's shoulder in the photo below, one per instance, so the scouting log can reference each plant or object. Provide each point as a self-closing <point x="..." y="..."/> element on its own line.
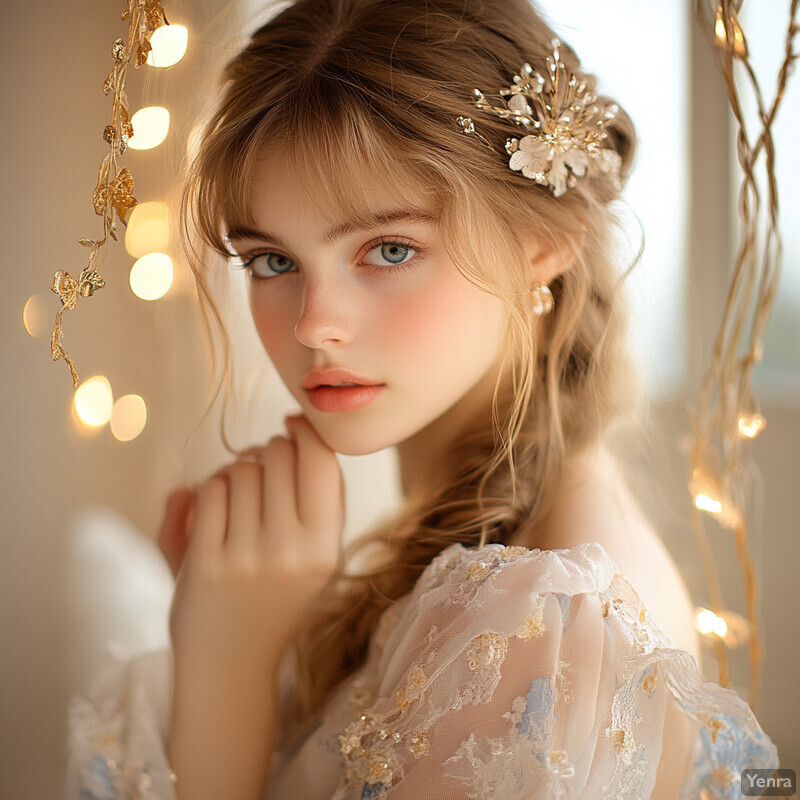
<point x="599" y="508"/>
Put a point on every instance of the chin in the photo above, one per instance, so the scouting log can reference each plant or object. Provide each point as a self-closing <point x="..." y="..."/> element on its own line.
<point x="349" y="438"/>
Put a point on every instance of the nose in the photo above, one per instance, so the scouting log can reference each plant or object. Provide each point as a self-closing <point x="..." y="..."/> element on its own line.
<point x="325" y="314"/>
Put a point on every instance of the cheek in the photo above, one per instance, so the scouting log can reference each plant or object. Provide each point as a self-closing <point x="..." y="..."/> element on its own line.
<point x="274" y="329"/>
<point x="451" y="317"/>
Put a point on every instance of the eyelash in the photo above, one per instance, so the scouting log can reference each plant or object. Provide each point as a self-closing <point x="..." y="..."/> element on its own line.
<point x="419" y="253"/>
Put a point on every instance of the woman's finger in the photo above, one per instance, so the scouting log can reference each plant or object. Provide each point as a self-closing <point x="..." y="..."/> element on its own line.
<point x="244" y="507"/>
<point x="319" y="477"/>
<point x="209" y="518"/>
<point x="173" y="538"/>
<point x="279" y="495"/>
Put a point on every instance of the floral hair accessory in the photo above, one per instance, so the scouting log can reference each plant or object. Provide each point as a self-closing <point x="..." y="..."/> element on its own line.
<point x="565" y="124"/>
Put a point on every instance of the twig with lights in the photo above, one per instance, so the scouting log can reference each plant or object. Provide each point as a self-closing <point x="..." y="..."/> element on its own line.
<point x="727" y="414"/>
<point x="113" y="195"/>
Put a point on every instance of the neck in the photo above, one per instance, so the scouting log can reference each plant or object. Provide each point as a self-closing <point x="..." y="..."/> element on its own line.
<point x="423" y="456"/>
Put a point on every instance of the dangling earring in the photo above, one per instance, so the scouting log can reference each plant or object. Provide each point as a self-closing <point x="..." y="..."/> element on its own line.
<point x="542" y="297"/>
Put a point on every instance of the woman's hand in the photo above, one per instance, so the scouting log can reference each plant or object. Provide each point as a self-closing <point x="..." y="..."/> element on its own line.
<point x="251" y="548"/>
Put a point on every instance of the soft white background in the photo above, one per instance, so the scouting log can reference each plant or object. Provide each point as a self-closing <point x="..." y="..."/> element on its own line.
<point x="61" y="603"/>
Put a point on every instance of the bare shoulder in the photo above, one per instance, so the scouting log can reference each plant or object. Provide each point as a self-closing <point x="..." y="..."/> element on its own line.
<point x="595" y="505"/>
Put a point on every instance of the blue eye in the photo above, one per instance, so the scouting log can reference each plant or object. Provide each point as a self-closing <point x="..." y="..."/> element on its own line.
<point x="266" y="265"/>
<point x="392" y="253"/>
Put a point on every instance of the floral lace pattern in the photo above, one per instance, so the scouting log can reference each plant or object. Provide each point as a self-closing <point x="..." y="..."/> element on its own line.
<point x="117" y="730"/>
<point x="506" y="673"/>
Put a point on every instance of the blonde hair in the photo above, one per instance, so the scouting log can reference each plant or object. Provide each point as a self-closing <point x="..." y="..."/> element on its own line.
<point x="339" y="86"/>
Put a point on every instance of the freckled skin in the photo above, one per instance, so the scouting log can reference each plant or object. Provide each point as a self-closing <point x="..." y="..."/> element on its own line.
<point x="427" y="333"/>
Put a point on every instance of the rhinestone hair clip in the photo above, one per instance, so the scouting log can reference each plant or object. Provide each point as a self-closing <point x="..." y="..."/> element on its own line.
<point x="564" y="121"/>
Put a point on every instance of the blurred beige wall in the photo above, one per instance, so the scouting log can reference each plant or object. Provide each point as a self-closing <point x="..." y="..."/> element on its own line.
<point x="54" y="58"/>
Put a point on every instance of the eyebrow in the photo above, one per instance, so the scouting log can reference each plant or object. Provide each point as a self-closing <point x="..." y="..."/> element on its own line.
<point x="341" y="229"/>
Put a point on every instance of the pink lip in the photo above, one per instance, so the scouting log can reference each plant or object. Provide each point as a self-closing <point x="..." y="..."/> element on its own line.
<point x="333" y="375"/>
<point x="345" y="398"/>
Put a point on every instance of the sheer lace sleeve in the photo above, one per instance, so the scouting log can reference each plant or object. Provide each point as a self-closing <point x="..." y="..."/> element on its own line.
<point x="117" y="731"/>
<point x="514" y="673"/>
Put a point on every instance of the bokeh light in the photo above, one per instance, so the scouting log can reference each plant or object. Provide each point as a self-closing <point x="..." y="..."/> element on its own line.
<point x="169" y="45"/>
<point x="148" y="229"/>
<point x="93" y="401"/>
<point x="34" y="314"/>
<point x="150" y="127"/>
<point x="151" y="276"/>
<point x="128" y="417"/>
<point x="708" y="622"/>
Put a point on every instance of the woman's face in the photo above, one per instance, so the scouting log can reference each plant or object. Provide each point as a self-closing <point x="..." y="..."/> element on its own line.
<point x="381" y="299"/>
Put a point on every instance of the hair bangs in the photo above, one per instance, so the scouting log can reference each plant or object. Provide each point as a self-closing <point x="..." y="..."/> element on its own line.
<point x="340" y="152"/>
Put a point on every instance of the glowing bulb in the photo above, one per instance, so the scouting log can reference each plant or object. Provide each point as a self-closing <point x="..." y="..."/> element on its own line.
<point x="151" y="276"/>
<point x="739" y="44"/>
<point x="150" y="127"/>
<point x="169" y="45"/>
<point x="706" y="503"/>
<point x="750" y="425"/>
<point x="128" y="417"/>
<point x="148" y="228"/>
<point x="732" y="628"/>
<point x="33" y="315"/>
<point x="87" y="431"/>
<point x="93" y="400"/>
<point x="719" y="26"/>
<point x="708" y="622"/>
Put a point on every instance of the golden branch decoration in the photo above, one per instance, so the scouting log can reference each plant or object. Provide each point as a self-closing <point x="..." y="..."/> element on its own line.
<point x="113" y="195"/>
<point x="727" y="415"/>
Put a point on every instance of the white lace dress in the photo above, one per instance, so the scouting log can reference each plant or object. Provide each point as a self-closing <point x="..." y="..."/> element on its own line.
<point x="506" y="673"/>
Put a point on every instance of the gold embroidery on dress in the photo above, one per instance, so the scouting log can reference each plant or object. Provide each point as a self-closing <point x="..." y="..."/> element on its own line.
<point x="366" y="759"/>
<point x="414" y="682"/>
<point x="715" y="726"/>
<point x="417" y="743"/>
<point x="485" y="651"/>
<point x="478" y="570"/>
<point x="606" y="605"/>
<point x="558" y="764"/>
<point x="622" y="742"/>
<point x="513" y="552"/>
<point x="534" y="622"/>
<point x="563" y="683"/>
<point x="650" y="681"/>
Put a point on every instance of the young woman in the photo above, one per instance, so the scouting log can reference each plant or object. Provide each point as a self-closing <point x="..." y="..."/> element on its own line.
<point x="434" y="270"/>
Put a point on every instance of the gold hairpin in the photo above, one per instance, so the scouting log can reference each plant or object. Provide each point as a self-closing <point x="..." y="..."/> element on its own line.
<point x="564" y="121"/>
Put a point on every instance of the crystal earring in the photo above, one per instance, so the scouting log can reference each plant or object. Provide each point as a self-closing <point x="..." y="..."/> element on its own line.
<point x="542" y="297"/>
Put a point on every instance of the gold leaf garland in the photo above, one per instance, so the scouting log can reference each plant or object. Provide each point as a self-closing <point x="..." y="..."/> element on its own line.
<point x="113" y="195"/>
<point x="726" y="416"/>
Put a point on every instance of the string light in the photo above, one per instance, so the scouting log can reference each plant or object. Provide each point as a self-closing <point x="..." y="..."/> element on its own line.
<point x="736" y="34"/>
<point x="151" y="276"/>
<point x="112" y="197"/>
<point x="128" y="417"/>
<point x="706" y="503"/>
<point x="150" y="127"/>
<point x="727" y="626"/>
<point x="709" y="496"/>
<point x="93" y="401"/>
<point x="707" y="622"/>
<point x="148" y="229"/>
<point x="724" y="417"/>
<point x="169" y="45"/>
<point x="750" y="425"/>
<point x="33" y="315"/>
